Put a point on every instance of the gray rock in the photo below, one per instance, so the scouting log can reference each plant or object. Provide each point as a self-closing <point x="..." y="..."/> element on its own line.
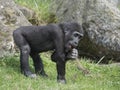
<point x="28" y="13"/>
<point x="10" y="19"/>
<point x="101" y="22"/>
<point x="31" y="16"/>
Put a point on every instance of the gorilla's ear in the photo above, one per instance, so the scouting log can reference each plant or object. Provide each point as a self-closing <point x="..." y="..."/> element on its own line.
<point x="64" y="27"/>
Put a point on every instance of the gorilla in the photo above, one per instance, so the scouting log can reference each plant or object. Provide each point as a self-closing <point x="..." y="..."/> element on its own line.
<point x="62" y="38"/>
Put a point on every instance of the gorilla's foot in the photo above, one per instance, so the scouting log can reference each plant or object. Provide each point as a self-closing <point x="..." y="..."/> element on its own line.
<point x="43" y="74"/>
<point x="62" y="81"/>
<point x="32" y="76"/>
<point x="29" y="74"/>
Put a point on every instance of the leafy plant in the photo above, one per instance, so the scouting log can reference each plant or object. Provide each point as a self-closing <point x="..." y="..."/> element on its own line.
<point x="41" y="8"/>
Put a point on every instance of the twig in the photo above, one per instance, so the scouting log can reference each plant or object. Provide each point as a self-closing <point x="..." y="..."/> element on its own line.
<point x="80" y="67"/>
<point x="100" y="60"/>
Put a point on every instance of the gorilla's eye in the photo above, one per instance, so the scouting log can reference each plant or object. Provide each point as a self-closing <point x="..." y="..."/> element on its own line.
<point x="76" y="34"/>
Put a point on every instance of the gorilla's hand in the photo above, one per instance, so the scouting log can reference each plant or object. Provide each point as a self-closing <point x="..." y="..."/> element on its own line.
<point x="73" y="54"/>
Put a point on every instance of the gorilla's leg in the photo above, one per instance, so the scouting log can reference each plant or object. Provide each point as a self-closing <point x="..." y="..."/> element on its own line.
<point x="59" y="58"/>
<point x="38" y="64"/>
<point x="24" y="64"/>
<point x="61" y="71"/>
<point x="24" y="54"/>
<point x="60" y="65"/>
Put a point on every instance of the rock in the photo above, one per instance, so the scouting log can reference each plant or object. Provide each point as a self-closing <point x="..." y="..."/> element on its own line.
<point x="29" y="14"/>
<point x="101" y="22"/>
<point x="10" y="19"/>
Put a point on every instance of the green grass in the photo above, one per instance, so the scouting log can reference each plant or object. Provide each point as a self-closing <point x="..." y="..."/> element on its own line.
<point x="41" y="8"/>
<point x="101" y="77"/>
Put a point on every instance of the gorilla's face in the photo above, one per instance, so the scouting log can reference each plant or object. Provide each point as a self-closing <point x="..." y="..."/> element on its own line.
<point x="73" y="34"/>
<point x="72" y="40"/>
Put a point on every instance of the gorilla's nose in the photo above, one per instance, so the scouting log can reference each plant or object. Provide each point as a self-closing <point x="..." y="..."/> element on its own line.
<point x="75" y="44"/>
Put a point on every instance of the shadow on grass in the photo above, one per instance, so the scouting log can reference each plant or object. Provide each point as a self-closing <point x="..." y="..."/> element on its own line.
<point x="11" y="62"/>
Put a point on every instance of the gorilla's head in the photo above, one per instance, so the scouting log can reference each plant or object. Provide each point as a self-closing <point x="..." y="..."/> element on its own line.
<point x="73" y="33"/>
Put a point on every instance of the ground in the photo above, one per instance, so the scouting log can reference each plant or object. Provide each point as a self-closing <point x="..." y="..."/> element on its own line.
<point x="102" y="77"/>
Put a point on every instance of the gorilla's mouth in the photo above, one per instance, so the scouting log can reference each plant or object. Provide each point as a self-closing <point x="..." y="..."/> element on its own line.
<point x="72" y="46"/>
<point x="69" y="47"/>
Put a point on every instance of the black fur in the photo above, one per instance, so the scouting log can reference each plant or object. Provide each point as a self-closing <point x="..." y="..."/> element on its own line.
<point x="32" y="40"/>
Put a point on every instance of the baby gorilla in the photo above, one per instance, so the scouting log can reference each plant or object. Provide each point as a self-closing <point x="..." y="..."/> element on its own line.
<point x="62" y="38"/>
